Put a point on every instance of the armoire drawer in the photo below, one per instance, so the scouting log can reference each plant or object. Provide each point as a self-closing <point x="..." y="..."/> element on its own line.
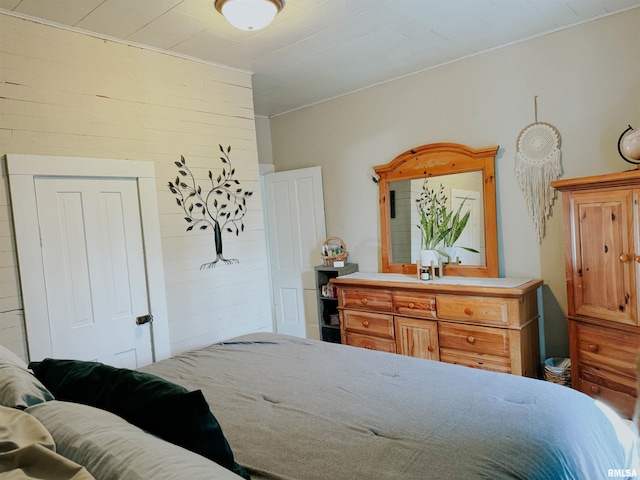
<point x="367" y="299"/>
<point x="368" y="323"/>
<point x="487" y="310"/>
<point x="492" y="341"/>
<point x="414" y="304"/>
<point x="607" y="378"/>
<point x="620" y="401"/>
<point x="370" y="343"/>
<point x="608" y="348"/>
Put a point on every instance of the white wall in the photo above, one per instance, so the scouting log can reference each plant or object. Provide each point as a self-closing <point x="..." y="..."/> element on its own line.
<point x="66" y="93"/>
<point x="263" y="136"/>
<point x="586" y="80"/>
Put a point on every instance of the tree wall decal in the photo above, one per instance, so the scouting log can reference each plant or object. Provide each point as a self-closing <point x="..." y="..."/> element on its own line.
<point x="221" y="208"/>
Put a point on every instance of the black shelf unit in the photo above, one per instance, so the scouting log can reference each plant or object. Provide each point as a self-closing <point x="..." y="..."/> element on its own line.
<point x="328" y="317"/>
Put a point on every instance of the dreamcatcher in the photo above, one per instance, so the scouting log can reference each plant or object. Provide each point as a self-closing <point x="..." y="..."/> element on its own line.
<point x="537" y="164"/>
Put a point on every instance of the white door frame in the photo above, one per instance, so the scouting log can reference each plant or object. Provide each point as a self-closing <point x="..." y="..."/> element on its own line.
<point x="265" y="168"/>
<point x="21" y="171"/>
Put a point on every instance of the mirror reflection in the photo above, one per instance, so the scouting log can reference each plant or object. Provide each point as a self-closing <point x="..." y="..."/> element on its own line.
<point x="457" y="173"/>
<point x="461" y="192"/>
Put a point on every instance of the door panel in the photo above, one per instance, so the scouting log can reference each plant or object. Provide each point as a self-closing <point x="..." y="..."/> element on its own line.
<point x="417" y="338"/>
<point x="94" y="269"/>
<point x="68" y="281"/>
<point x="296" y="229"/>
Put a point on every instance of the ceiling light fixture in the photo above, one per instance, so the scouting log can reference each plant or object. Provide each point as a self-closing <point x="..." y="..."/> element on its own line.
<point x="249" y="14"/>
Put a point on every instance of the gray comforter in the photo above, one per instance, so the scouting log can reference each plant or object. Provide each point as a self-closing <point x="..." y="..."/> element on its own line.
<point x="298" y="409"/>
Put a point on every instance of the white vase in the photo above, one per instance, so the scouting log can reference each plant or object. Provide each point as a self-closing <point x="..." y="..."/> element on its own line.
<point x="428" y="256"/>
<point x="451" y="254"/>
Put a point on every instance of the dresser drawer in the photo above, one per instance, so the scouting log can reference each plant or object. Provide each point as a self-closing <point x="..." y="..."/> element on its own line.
<point x="377" y="324"/>
<point x="366" y="299"/>
<point x="416" y="305"/>
<point x="475" y="360"/>
<point x="608" y="349"/>
<point x="494" y="311"/>
<point x="493" y="341"/>
<point x="371" y="343"/>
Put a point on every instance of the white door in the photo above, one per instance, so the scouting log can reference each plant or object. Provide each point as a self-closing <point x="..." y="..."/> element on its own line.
<point x="471" y="236"/>
<point x="94" y="269"/>
<point x="90" y="259"/>
<point x="296" y="230"/>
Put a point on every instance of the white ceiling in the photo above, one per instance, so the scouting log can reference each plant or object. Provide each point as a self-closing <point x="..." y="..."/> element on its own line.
<point x="320" y="49"/>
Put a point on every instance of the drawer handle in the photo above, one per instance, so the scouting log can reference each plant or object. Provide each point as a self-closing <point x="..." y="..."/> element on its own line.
<point x="595" y="389"/>
<point x="368" y="347"/>
<point x="468" y="311"/>
<point x="471" y="339"/>
<point x="431" y="348"/>
<point x="412" y="305"/>
<point x="364" y="301"/>
<point x="365" y="324"/>
<point x="593" y="347"/>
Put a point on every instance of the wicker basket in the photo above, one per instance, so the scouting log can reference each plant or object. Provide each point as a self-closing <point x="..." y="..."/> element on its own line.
<point x="334" y="250"/>
<point x="558" y="370"/>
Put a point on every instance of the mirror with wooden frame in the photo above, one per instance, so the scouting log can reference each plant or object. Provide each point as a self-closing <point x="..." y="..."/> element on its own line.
<point x="464" y="176"/>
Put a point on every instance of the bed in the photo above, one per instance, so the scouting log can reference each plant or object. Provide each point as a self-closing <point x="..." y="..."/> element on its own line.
<point x="296" y="409"/>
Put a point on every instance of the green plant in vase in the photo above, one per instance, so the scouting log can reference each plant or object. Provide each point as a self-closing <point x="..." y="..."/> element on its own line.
<point x="440" y="229"/>
<point x="432" y="211"/>
<point x="457" y="223"/>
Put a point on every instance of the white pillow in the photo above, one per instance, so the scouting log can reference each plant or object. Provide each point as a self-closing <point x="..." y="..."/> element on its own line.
<point x="110" y="447"/>
<point x="19" y="388"/>
<point x="10" y="358"/>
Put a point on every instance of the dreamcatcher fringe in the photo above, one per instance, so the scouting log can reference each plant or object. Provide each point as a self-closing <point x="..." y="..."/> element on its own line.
<point x="534" y="181"/>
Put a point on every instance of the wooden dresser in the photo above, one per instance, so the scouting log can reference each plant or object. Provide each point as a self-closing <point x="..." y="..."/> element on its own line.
<point x="602" y="260"/>
<point x="488" y="323"/>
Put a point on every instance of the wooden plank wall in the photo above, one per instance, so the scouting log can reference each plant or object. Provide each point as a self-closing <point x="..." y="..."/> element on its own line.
<point x="70" y="94"/>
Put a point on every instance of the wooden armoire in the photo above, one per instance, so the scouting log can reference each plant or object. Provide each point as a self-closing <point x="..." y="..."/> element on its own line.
<point x="602" y="260"/>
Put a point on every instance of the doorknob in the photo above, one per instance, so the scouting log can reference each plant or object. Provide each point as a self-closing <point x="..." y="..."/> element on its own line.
<point x="141" y="320"/>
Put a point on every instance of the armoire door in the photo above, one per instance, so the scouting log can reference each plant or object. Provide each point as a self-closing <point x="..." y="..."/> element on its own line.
<point x="604" y="264"/>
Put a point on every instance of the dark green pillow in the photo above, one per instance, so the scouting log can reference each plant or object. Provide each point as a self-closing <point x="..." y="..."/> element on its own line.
<point x="160" y="407"/>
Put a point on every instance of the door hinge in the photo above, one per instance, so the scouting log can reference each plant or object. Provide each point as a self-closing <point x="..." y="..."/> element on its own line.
<point x="144" y="319"/>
